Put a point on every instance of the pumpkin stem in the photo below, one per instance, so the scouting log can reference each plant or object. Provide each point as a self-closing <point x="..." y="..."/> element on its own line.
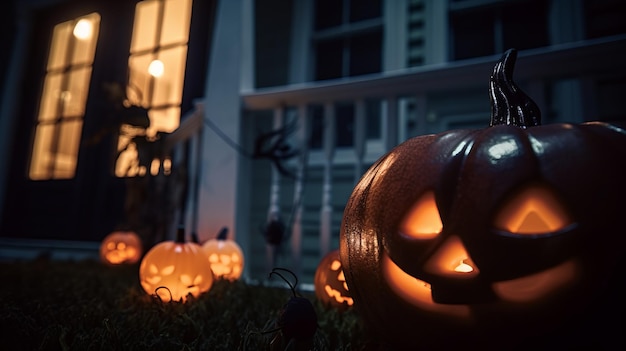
<point x="223" y="234"/>
<point x="292" y="287"/>
<point x="180" y="235"/>
<point x="509" y="104"/>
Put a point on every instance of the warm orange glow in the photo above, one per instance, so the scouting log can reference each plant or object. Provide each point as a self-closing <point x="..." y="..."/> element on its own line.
<point x="225" y="258"/>
<point x="330" y="282"/>
<point x="335" y="266"/>
<point x="157" y="61"/>
<point x="452" y="260"/>
<point x="417" y="292"/>
<point x="423" y="220"/>
<point x="156" y="68"/>
<point x="535" y="210"/>
<point x="63" y="99"/>
<point x="121" y="247"/>
<point x="463" y="267"/>
<point x="174" y="270"/>
<point x="336" y="294"/>
<point x="536" y="286"/>
<point x="83" y="29"/>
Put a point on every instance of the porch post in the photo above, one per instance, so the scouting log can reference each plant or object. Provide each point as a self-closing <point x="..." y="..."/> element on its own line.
<point x="217" y="200"/>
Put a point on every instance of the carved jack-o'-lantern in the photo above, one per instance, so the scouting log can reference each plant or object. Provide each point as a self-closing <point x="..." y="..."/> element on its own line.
<point x="121" y="247"/>
<point x="509" y="232"/>
<point x="330" y="283"/>
<point x="174" y="269"/>
<point x="225" y="256"/>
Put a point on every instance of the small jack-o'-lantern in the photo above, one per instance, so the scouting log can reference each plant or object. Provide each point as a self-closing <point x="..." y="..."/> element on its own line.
<point x="476" y="237"/>
<point x="225" y="256"/>
<point x="175" y="269"/>
<point x="121" y="247"/>
<point x="330" y="283"/>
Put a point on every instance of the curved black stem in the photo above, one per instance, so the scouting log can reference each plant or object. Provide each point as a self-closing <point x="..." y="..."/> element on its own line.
<point x="223" y="234"/>
<point x="292" y="287"/>
<point x="509" y="104"/>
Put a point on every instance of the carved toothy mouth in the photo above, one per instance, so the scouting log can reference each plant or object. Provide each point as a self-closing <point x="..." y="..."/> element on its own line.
<point x="526" y="289"/>
<point x="415" y="291"/>
<point x="338" y="296"/>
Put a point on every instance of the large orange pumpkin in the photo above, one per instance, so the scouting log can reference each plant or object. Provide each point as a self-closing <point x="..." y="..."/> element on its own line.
<point x="225" y="256"/>
<point x="175" y="269"/>
<point x="496" y="237"/>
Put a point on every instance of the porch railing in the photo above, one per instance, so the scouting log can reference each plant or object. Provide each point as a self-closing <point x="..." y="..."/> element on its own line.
<point x="581" y="60"/>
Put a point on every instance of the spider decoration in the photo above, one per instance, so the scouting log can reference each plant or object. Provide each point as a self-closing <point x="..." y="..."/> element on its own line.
<point x="273" y="146"/>
<point x="270" y="145"/>
<point x="297" y="321"/>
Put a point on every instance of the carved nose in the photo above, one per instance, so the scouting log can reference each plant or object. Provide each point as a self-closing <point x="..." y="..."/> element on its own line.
<point x="456" y="278"/>
<point x="452" y="261"/>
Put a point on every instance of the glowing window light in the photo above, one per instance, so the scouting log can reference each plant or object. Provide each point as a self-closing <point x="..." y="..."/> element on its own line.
<point x="156" y="68"/>
<point x="63" y="98"/>
<point x="83" y="29"/>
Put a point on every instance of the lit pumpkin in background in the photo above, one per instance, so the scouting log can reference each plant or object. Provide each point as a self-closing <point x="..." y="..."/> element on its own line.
<point x="513" y="232"/>
<point x="225" y="256"/>
<point x="121" y="247"/>
<point x="175" y="269"/>
<point x="330" y="283"/>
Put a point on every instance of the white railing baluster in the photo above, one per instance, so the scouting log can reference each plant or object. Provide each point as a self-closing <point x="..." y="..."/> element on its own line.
<point x="326" y="210"/>
<point x="296" y="229"/>
<point x="359" y="137"/>
<point x="274" y="206"/>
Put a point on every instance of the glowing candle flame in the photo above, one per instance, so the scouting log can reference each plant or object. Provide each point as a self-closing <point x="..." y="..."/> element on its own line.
<point x="463" y="267"/>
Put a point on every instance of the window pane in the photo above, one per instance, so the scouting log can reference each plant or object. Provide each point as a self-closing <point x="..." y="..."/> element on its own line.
<point x="604" y="18"/>
<point x="75" y="96"/>
<point x="58" y="51"/>
<point x="364" y="9"/>
<point x="85" y="37"/>
<point x="473" y="37"/>
<point x="366" y="54"/>
<point x="328" y="13"/>
<point x="525" y="25"/>
<point x="138" y="90"/>
<point x="146" y="17"/>
<point x="176" y="22"/>
<point x="168" y="88"/>
<point x="51" y="97"/>
<point x="164" y="120"/>
<point x="329" y="59"/>
<point x="65" y="158"/>
<point x="41" y="158"/>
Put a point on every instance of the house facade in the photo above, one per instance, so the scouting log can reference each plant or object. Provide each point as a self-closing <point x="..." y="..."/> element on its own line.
<point x="277" y="107"/>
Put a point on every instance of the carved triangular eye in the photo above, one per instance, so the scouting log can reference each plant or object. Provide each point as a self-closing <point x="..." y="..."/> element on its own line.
<point x="534" y="210"/>
<point x="423" y="220"/>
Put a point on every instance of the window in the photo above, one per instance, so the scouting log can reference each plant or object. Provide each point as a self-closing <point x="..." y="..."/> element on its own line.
<point x="491" y="27"/>
<point x="604" y="18"/>
<point x="158" y="55"/>
<point x="347" y="41"/>
<point x="347" y="38"/>
<point x="62" y="104"/>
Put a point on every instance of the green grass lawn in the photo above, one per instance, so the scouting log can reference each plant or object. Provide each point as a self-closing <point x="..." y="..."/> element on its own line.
<point x="53" y="305"/>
